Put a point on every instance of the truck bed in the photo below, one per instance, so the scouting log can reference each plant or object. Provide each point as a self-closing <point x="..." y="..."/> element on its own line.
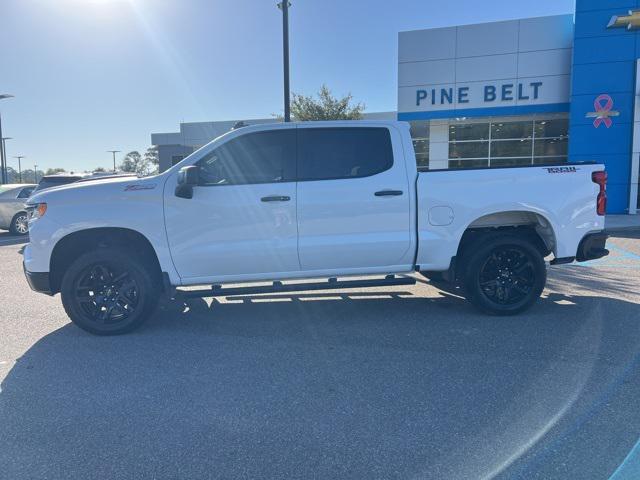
<point x="558" y="199"/>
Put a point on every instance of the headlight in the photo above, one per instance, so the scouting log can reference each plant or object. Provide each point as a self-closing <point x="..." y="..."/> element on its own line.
<point x="36" y="210"/>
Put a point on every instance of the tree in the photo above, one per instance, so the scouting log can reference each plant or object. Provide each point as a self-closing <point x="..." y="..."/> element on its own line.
<point x="53" y="171"/>
<point x="27" y="175"/>
<point x="12" y="175"/>
<point x="151" y="155"/>
<point x="135" y="163"/>
<point x="99" y="170"/>
<point x="326" y="107"/>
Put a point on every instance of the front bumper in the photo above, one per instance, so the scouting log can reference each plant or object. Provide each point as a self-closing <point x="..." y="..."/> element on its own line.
<point x="592" y="247"/>
<point x="38" y="281"/>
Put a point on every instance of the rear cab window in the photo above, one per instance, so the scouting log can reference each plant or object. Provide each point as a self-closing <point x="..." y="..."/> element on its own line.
<point x="343" y="152"/>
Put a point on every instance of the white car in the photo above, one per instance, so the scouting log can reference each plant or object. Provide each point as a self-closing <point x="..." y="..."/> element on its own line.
<point x="309" y="200"/>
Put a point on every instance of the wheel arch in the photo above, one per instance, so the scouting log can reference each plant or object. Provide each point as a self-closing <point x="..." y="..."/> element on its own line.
<point x="523" y="222"/>
<point x="533" y="226"/>
<point x="71" y="246"/>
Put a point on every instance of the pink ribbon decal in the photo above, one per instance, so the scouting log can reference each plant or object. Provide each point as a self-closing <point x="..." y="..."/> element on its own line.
<point x="603" y="105"/>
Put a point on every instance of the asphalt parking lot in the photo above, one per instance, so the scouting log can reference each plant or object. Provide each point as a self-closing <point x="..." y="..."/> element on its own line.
<point x="384" y="383"/>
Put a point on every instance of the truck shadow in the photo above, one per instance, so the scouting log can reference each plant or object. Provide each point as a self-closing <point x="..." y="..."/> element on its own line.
<point x="382" y="384"/>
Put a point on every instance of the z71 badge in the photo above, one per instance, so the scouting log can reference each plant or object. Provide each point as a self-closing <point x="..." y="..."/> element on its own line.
<point x="136" y="187"/>
<point x="561" y="169"/>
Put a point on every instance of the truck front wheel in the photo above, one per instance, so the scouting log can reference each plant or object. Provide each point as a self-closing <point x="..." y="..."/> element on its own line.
<point x="504" y="274"/>
<point x="108" y="291"/>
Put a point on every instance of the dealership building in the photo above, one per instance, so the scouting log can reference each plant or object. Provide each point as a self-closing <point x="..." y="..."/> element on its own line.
<point x="523" y="92"/>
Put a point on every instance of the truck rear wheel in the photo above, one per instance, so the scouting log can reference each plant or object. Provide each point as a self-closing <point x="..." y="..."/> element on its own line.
<point x="504" y="274"/>
<point x="109" y="291"/>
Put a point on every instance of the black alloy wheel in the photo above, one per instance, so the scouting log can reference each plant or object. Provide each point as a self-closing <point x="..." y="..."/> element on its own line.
<point x="110" y="291"/>
<point x="507" y="276"/>
<point x="107" y="295"/>
<point x="504" y="274"/>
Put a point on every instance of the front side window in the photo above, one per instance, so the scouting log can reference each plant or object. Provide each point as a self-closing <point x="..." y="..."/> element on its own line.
<point x="260" y="157"/>
<point x="348" y="152"/>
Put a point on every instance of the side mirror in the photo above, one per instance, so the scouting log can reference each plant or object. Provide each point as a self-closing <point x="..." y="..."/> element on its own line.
<point x="188" y="177"/>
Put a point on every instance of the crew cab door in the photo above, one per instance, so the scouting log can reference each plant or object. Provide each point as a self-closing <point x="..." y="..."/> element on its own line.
<point x="241" y="221"/>
<point x="354" y="210"/>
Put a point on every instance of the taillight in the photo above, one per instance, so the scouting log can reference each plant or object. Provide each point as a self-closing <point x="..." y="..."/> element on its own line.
<point x="601" y="179"/>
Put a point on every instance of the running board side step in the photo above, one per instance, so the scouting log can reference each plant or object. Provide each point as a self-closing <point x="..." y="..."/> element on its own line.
<point x="279" y="287"/>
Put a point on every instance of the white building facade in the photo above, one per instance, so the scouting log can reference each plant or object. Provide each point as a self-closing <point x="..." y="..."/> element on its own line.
<point x="494" y="94"/>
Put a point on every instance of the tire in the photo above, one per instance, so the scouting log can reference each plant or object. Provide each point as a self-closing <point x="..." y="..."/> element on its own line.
<point x="19" y="224"/>
<point x="109" y="291"/>
<point x="504" y="274"/>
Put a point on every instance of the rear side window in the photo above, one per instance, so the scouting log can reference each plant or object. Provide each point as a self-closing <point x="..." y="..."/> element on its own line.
<point x="26" y="192"/>
<point x="260" y="157"/>
<point x="351" y="152"/>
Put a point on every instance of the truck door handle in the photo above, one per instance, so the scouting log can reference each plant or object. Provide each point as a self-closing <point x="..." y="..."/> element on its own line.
<point x="388" y="193"/>
<point x="276" y="198"/>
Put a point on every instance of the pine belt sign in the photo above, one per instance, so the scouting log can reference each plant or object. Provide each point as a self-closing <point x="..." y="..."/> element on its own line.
<point x="515" y="67"/>
<point x="487" y="94"/>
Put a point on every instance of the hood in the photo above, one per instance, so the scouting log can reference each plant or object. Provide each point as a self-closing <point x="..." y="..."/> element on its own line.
<point x="98" y="189"/>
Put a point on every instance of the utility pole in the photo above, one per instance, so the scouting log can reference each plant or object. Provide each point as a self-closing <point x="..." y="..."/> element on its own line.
<point x="3" y="158"/>
<point x="4" y="150"/>
<point x="114" y="158"/>
<point x="35" y="173"/>
<point x="19" y="157"/>
<point x="284" y="6"/>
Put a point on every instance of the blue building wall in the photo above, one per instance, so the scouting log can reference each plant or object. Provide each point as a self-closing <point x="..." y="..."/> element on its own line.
<point x="604" y="62"/>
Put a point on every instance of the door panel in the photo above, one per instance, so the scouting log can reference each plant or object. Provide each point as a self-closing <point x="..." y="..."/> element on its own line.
<point x="229" y="230"/>
<point x="356" y="222"/>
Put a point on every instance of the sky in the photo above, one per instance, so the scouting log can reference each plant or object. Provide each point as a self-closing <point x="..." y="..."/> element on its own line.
<point x="95" y="75"/>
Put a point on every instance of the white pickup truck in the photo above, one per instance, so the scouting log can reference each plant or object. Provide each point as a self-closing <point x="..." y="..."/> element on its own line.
<point x="320" y="200"/>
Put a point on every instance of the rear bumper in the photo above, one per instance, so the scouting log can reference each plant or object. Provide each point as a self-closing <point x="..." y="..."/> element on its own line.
<point x="592" y="246"/>
<point x="38" y="281"/>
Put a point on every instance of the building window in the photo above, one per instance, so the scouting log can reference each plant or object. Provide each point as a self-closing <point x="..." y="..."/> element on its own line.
<point x="420" y="136"/>
<point x="468" y="132"/>
<point x="503" y="143"/>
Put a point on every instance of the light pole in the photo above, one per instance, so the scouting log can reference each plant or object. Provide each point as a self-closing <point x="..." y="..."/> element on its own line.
<point x="284" y="6"/>
<point x="35" y="172"/>
<point x="114" y="158"/>
<point x="19" y="157"/>
<point x="3" y="158"/>
<point x="4" y="149"/>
